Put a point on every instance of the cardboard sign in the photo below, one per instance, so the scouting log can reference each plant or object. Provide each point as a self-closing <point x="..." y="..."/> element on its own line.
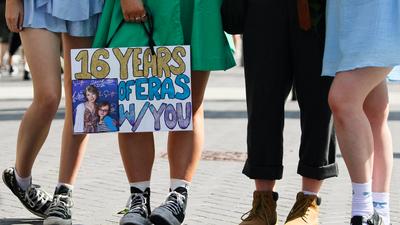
<point x="131" y="89"/>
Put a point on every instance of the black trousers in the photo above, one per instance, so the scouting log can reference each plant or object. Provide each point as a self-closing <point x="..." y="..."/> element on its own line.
<point x="15" y="42"/>
<point x="277" y="55"/>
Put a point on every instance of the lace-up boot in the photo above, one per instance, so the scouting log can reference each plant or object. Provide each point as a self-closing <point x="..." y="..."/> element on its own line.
<point x="375" y="219"/>
<point x="36" y="200"/>
<point x="264" y="209"/>
<point x="172" y="211"/>
<point x="138" y="208"/>
<point x="305" y="210"/>
<point x="59" y="212"/>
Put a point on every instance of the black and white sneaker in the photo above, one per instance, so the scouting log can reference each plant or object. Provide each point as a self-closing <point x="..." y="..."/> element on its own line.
<point x="172" y="211"/>
<point x="375" y="219"/>
<point x="138" y="208"/>
<point x="36" y="200"/>
<point x="59" y="212"/>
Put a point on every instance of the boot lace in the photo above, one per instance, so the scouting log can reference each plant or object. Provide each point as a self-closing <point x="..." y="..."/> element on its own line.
<point x="301" y="208"/>
<point x="259" y="210"/>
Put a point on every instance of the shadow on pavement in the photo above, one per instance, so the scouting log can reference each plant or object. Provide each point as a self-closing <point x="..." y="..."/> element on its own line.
<point x="396" y="155"/>
<point x="17" y="113"/>
<point x="24" y="221"/>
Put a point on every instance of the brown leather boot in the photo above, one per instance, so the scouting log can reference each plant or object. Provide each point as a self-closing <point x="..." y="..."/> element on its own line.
<point x="264" y="209"/>
<point x="305" y="210"/>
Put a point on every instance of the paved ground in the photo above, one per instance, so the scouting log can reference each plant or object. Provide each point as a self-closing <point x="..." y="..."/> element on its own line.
<point x="220" y="194"/>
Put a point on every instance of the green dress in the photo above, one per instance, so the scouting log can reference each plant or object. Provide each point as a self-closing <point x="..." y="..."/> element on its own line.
<point x="176" y="22"/>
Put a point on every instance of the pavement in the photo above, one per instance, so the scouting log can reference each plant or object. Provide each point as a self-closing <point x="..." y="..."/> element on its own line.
<point x="219" y="194"/>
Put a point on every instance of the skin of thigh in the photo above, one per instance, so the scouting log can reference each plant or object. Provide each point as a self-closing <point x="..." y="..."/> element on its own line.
<point x="42" y="53"/>
<point x="73" y="146"/>
<point x="184" y="148"/>
<point x="346" y="98"/>
<point x="376" y="107"/>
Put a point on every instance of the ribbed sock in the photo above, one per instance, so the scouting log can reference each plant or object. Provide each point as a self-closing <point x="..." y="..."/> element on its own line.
<point x="362" y="200"/>
<point x="381" y="205"/>
<point x="23" y="182"/>
<point x="143" y="185"/>
<point x="175" y="183"/>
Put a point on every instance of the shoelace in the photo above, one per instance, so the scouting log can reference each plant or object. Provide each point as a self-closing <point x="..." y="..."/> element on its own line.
<point x="137" y="204"/>
<point x="258" y="206"/>
<point x="36" y="197"/>
<point x="60" y="206"/>
<point x="174" y="202"/>
<point x="301" y="208"/>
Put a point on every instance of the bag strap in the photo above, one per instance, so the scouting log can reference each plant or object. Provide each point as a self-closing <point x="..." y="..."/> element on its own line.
<point x="149" y="29"/>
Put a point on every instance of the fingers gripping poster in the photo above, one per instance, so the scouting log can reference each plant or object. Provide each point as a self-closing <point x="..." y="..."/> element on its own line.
<point x="131" y="89"/>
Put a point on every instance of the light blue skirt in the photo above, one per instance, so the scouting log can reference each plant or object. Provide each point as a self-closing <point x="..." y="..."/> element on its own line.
<point x="76" y="17"/>
<point x="361" y="33"/>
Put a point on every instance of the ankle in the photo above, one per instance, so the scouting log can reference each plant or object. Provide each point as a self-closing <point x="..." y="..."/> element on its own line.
<point x="23" y="182"/>
<point x="264" y="185"/>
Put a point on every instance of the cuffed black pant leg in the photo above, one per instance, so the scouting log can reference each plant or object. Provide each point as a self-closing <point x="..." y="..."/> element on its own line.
<point x="318" y="144"/>
<point x="268" y="82"/>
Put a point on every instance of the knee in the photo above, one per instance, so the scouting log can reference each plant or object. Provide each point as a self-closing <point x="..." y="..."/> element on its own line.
<point x="48" y="103"/>
<point x="198" y="112"/>
<point x="377" y="113"/>
<point x="341" y="106"/>
<point x="336" y="103"/>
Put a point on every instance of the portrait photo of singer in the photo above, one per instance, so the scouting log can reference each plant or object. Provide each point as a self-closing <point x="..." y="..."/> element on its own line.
<point x="94" y="104"/>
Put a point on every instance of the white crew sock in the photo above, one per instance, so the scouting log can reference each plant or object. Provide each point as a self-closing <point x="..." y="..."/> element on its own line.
<point x="362" y="200"/>
<point x="310" y="193"/>
<point x="143" y="185"/>
<point x="69" y="186"/>
<point x="23" y="182"/>
<point x="381" y="205"/>
<point x="175" y="183"/>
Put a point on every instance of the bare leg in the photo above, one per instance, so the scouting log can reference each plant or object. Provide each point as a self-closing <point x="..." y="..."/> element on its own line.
<point x="73" y="146"/>
<point x="376" y="108"/>
<point x="3" y="50"/>
<point x="308" y="184"/>
<point x="265" y="185"/>
<point x="137" y="152"/>
<point x="185" y="147"/>
<point x="311" y="185"/>
<point x="45" y="70"/>
<point x="346" y="99"/>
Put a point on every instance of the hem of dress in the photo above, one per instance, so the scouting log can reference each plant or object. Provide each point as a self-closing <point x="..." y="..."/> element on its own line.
<point x="358" y="66"/>
<point x="58" y="31"/>
<point x="214" y="65"/>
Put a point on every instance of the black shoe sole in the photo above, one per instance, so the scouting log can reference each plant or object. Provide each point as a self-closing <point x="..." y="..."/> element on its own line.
<point x="159" y="220"/>
<point x="16" y="195"/>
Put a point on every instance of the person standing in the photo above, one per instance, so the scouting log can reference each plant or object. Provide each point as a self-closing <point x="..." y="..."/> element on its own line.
<point x="176" y="22"/>
<point x="42" y="26"/>
<point x="362" y="47"/>
<point x="283" y="45"/>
